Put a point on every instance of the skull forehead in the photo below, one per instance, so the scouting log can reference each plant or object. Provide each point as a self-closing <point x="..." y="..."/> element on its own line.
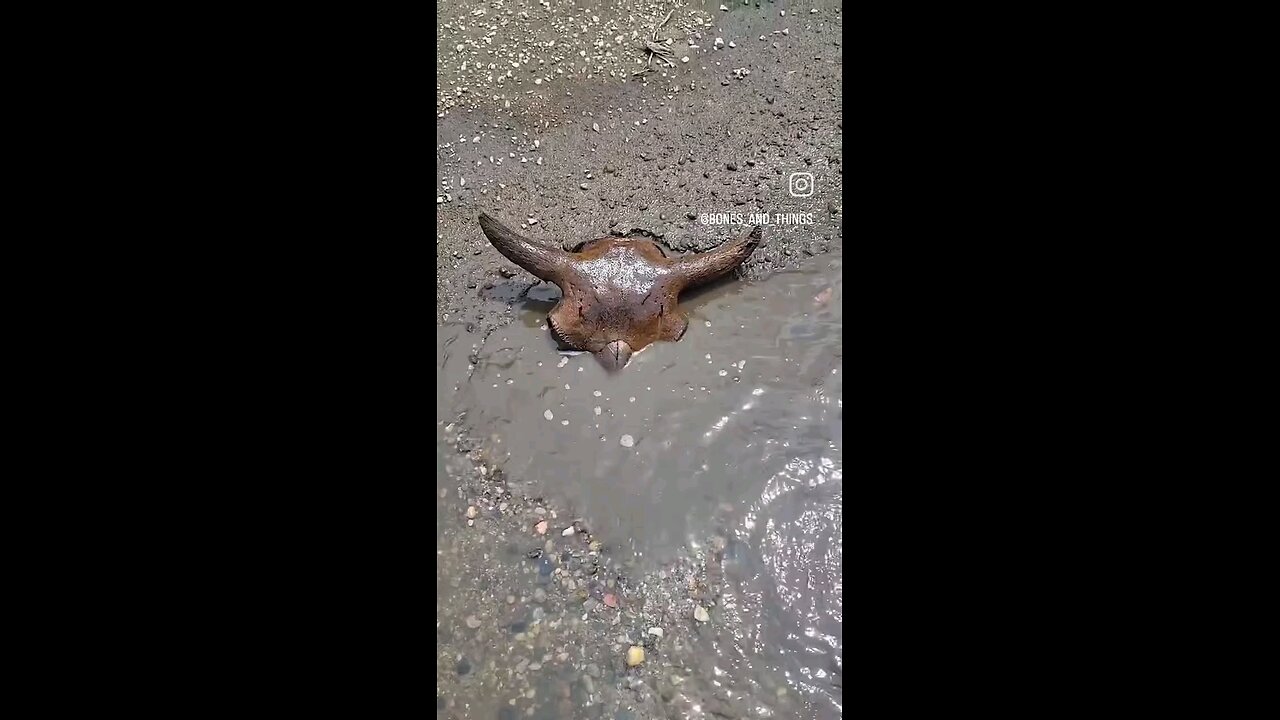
<point x="615" y="310"/>
<point x="618" y="274"/>
<point x="619" y="244"/>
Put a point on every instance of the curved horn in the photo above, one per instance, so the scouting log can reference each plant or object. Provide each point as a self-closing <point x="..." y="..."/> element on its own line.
<point x="544" y="262"/>
<point x="704" y="267"/>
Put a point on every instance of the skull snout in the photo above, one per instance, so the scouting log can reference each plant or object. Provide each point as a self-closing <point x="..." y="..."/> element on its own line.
<point x="615" y="355"/>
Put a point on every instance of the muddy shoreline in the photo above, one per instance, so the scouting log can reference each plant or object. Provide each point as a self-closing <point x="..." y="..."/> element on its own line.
<point x="537" y="611"/>
<point x="651" y="152"/>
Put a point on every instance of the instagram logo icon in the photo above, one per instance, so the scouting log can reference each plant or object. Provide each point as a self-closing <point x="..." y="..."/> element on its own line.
<point x="800" y="184"/>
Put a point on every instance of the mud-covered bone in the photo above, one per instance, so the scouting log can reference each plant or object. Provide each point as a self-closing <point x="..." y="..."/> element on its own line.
<point x="617" y="295"/>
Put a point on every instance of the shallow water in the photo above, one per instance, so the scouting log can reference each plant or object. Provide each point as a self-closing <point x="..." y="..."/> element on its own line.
<point x="739" y="421"/>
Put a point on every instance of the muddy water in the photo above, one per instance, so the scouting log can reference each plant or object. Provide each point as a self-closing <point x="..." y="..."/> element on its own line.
<point x="740" y="421"/>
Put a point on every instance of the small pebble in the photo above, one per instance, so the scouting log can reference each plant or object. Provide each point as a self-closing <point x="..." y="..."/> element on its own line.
<point x="656" y="631"/>
<point x="473" y="622"/>
<point x="541" y="528"/>
<point x="549" y="415"/>
<point x="635" y="656"/>
<point x="584" y="186"/>
<point x="568" y="532"/>
<point x="539" y="595"/>
<point x="700" y="614"/>
<point x="610" y="600"/>
<point x="627" y="441"/>
<point x="472" y="512"/>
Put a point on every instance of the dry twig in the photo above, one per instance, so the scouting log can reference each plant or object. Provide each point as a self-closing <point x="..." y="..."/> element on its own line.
<point x="655" y="49"/>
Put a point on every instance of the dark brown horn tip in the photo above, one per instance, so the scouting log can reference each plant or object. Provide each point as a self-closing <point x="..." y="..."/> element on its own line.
<point x="488" y="223"/>
<point x="757" y="232"/>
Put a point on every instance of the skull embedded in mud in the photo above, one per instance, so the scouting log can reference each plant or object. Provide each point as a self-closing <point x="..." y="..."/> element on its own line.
<point x="618" y="295"/>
